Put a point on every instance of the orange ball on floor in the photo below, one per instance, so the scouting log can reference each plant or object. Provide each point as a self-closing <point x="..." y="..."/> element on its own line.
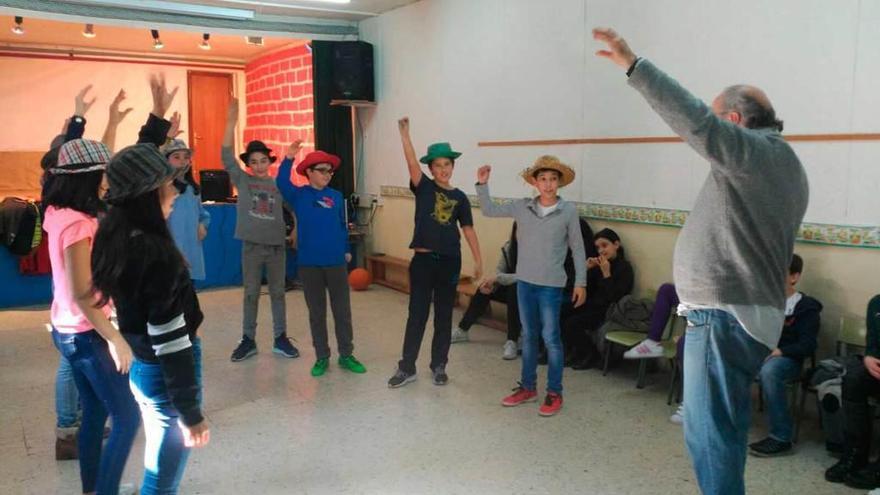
<point x="360" y="279"/>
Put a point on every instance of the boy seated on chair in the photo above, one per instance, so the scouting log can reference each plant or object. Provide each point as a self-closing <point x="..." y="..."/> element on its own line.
<point x="783" y="365"/>
<point x="858" y="386"/>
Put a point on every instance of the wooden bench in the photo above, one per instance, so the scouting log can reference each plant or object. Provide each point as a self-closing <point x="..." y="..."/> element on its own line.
<point x="393" y="272"/>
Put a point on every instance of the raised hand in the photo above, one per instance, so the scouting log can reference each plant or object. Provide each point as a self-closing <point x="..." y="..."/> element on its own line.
<point x="117" y="115"/>
<point x="174" y="130"/>
<point x="483" y="174"/>
<point x="618" y="50"/>
<point x="82" y="106"/>
<point x="232" y="111"/>
<point x="403" y="125"/>
<point x="294" y="148"/>
<point x="162" y="98"/>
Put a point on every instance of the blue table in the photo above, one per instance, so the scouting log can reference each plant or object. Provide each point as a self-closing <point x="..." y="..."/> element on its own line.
<point x="222" y="264"/>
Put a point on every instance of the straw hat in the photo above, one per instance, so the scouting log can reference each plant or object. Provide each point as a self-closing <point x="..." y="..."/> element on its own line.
<point x="549" y="162"/>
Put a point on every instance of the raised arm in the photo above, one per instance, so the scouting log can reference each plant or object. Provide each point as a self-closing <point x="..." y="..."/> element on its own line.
<point x="282" y="180"/>
<point x="156" y="129"/>
<point x="75" y="127"/>
<point x="116" y="116"/>
<point x="226" y="154"/>
<point x="720" y="141"/>
<point x="412" y="163"/>
<point x="487" y="207"/>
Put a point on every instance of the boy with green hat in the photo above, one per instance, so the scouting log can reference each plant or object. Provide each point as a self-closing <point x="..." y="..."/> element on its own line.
<point x="436" y="264"/>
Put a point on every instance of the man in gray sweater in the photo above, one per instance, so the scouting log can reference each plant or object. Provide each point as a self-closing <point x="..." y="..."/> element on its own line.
<point x="731" y="256"/>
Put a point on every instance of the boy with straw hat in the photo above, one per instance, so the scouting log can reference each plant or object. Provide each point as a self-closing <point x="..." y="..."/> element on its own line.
<point x="547" y="226"/>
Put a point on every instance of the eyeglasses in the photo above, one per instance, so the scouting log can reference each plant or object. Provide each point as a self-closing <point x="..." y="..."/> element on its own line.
<point x="322" y="170"/>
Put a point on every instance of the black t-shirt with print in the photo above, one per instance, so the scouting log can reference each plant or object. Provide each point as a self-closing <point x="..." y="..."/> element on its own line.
<point x="437" y="212"/>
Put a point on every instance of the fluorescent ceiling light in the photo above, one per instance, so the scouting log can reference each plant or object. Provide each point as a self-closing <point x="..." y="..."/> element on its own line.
<point x="260" y="3"/>
<point x="174" y="8"/>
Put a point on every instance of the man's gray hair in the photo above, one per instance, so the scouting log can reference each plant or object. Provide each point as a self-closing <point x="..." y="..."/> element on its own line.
<point x="756" y="110"/>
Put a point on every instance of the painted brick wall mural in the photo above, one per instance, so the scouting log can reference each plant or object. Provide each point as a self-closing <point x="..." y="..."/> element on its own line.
<point x="279" y="102"/>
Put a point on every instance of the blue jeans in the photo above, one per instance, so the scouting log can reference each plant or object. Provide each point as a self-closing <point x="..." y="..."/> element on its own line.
<point x="197" y="362"/>
<point x="539" y="308"/>
<point x="66" y="395"/>
<point x="164" y="453"/>
<point x="101" y="390"/>
<point x="721" y="361"/>
<point x="775" y="373"/>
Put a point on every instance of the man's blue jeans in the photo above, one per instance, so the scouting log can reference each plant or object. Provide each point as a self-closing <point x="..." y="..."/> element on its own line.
<point x="775" y="373"/>
<point x="539" y="308"/>
<point x="721" y="361"/>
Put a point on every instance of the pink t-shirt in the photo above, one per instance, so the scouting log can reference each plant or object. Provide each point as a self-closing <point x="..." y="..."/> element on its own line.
<point x="65" y="228"/>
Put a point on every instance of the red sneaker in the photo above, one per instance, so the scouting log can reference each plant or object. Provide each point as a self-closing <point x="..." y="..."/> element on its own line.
<point x="520" y="396"/>
<point x="552" y="404"/>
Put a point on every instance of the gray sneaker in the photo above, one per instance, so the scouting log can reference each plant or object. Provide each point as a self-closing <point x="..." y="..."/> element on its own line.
<point x="459" y="335"/>
<point x="401" y="378"/>
<point x="439" y="375"/>
<point x="509" y="350"/>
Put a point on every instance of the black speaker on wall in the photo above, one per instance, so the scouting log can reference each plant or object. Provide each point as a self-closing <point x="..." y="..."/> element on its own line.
<point x="352" y="71"/>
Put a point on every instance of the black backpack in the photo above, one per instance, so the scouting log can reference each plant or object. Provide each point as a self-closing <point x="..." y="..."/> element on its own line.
<point x="21" y="225"/>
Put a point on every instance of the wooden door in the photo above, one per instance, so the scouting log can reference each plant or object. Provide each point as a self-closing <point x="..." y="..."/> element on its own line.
<point x="209" y="94"/>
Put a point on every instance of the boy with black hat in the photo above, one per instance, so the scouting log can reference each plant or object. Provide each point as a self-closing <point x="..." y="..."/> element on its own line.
<point x="260" y="227"/>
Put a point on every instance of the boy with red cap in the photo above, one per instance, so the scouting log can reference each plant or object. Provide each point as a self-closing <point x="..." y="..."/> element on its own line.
<point x="323" y="252"/>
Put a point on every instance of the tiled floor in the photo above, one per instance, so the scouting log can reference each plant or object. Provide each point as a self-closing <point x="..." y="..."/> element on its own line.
<point x="275" y="429"/>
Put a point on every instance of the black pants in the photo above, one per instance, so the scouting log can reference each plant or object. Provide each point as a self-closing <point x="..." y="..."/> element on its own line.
<point x="431" y="277"/>
<point x="480" y="301"/>
<point x="858" y="385"/>
<point x="578" y="328"/>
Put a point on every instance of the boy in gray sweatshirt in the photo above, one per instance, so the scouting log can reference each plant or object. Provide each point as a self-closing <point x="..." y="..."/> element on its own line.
<point x="731" y="258"/>
<point x="547" y="226"/>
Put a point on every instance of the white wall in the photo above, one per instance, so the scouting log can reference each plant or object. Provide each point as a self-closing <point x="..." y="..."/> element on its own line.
<point x="37" y="95"/>
<point x="468" y="71"/>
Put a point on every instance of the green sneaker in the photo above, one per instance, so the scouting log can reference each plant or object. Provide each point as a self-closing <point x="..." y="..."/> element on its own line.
<point x="320" y="367"/>
<point x="352" y="364"/>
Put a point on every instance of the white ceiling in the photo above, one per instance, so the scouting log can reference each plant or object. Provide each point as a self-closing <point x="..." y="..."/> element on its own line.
<point x="352" y="11"/>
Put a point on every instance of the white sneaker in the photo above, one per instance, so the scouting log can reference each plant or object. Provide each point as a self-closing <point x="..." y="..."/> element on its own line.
<point x="459" y="335"/>
<point x="509" y="350"/>
<point x="678" y="416"/>
<point x="645" y="350"/>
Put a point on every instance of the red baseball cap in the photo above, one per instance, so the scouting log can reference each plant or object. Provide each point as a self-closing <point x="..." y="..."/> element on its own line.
<point x="316" y="157"/>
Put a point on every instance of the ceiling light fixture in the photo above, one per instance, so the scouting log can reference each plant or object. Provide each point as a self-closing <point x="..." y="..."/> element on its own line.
<point x="89" y="31"/>
<point x="17" y="29"/>
<point x="205" y="44"/>
<point x="157" y="43"/>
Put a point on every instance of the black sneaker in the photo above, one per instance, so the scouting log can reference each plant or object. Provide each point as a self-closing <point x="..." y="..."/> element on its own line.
<point x="770" y="447"/>
<point x="439" y="376"/>
<point x="401" y="378"/>
<point x="865" y="479"/>
<point x="246" y="348"/>
<point x="851" y="462"/>
<point x="284" y="348"/>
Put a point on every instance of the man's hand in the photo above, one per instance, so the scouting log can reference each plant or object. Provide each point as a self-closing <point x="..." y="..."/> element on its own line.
<point x="579" y="296"/>
<point x="81" y="105"/>
<point x="618" y="51"/>
<point x="116" y="115"/>
<point x="294" y="148"/>
<point x="203" y="232"/>
<point x="483" y="174"/>
<point x="232" y="111"/>
<point x="488" y="285"/>
<point x="872" y="364"/>
<point x="776" y="353"/>
<point x="478" y="271"/>
<point x="592" y="263"/>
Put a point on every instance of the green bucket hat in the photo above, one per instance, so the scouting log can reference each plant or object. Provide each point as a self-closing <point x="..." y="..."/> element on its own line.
<point x="439" y="150"/>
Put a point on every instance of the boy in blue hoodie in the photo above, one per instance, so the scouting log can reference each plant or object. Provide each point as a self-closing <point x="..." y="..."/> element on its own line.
<point x="323" y="252"/>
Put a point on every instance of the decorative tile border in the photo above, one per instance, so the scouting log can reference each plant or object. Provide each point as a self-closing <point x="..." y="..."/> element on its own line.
<point x="813" y="233"/>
